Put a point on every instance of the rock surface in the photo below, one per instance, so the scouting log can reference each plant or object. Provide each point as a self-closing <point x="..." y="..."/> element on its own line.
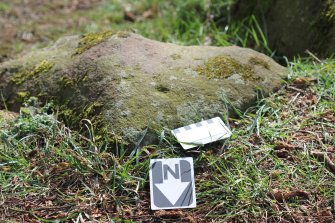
<point x="6" y="116"/>
<point x="126" y="83"/>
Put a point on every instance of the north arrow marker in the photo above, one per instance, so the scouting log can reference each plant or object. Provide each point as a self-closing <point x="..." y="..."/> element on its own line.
<point x="178" y="188"/>
<point x="172" y="183"/>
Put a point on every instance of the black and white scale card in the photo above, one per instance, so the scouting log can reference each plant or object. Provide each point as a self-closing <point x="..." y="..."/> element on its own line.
<point x="201" y="133"/>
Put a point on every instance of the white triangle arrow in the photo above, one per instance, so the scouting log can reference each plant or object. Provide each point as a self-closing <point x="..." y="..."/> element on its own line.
<point x="172" y="189"/>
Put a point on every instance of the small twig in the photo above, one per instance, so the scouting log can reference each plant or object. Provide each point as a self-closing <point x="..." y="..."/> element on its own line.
<point x="313" y="55"/>
<point x="295" y="89"/>
<point x="53" y="208"/>
<point x="295" y="98"/>
<point x="322" y="157"/>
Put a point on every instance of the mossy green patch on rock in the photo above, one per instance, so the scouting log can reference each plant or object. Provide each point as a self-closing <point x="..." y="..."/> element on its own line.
<point x="222" y="67"/>
<point x="24" y="75"/>
<point x="91" y="39"/>
<point x="260" y="62"/>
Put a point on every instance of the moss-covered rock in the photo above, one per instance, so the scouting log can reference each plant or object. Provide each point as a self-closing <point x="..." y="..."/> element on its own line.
<point x="125" y="83"/>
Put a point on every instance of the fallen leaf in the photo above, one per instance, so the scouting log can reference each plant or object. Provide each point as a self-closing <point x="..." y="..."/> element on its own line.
<point x="314" y="99"/>
<point x="190" y="219"/>
<point x="129" y="16"/>
<point x="169" y="214"/>
<point x="282" y="196"/>
<point x="255" y="140"/>
<point x="311" y="99"/>
<point x="134" y="15"/>
<point x="279" y="145"/>
<point x="302" y="82"/>
<point x="32" y="153"/>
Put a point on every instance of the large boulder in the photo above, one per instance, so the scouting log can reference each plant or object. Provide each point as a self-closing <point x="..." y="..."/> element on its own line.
<point x="126" y="83"/>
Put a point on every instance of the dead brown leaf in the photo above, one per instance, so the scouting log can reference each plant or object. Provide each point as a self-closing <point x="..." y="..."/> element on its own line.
<point x="174" y="214"/>
<point x="311" y="99"/>
<point x="136" y="16"/>
<point x="32" y="153"/>
<point x="280" y="145"/>
<point x="129" y="16"/>
<point x="255" y="140"/>
<point x="282" y="196"/>
<point x="302" y="82"/>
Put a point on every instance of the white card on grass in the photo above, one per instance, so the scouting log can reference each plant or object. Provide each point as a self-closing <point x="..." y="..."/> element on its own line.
<point x="201" y="133"/>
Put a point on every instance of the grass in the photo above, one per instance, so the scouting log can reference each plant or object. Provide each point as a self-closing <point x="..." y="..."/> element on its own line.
<point x="186" y="22"/>
<point x="65" y="176"/>
<point x="208" y="23"/>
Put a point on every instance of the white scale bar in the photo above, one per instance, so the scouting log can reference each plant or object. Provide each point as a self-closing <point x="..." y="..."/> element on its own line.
<point x="201" y="133"/>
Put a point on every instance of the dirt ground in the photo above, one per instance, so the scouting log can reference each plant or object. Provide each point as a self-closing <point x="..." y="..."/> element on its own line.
<point x="27" y="24"/>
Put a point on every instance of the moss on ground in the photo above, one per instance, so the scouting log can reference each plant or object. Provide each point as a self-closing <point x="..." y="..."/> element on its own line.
<point x="43" y="67"/>
<point x="222" y="67"/>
